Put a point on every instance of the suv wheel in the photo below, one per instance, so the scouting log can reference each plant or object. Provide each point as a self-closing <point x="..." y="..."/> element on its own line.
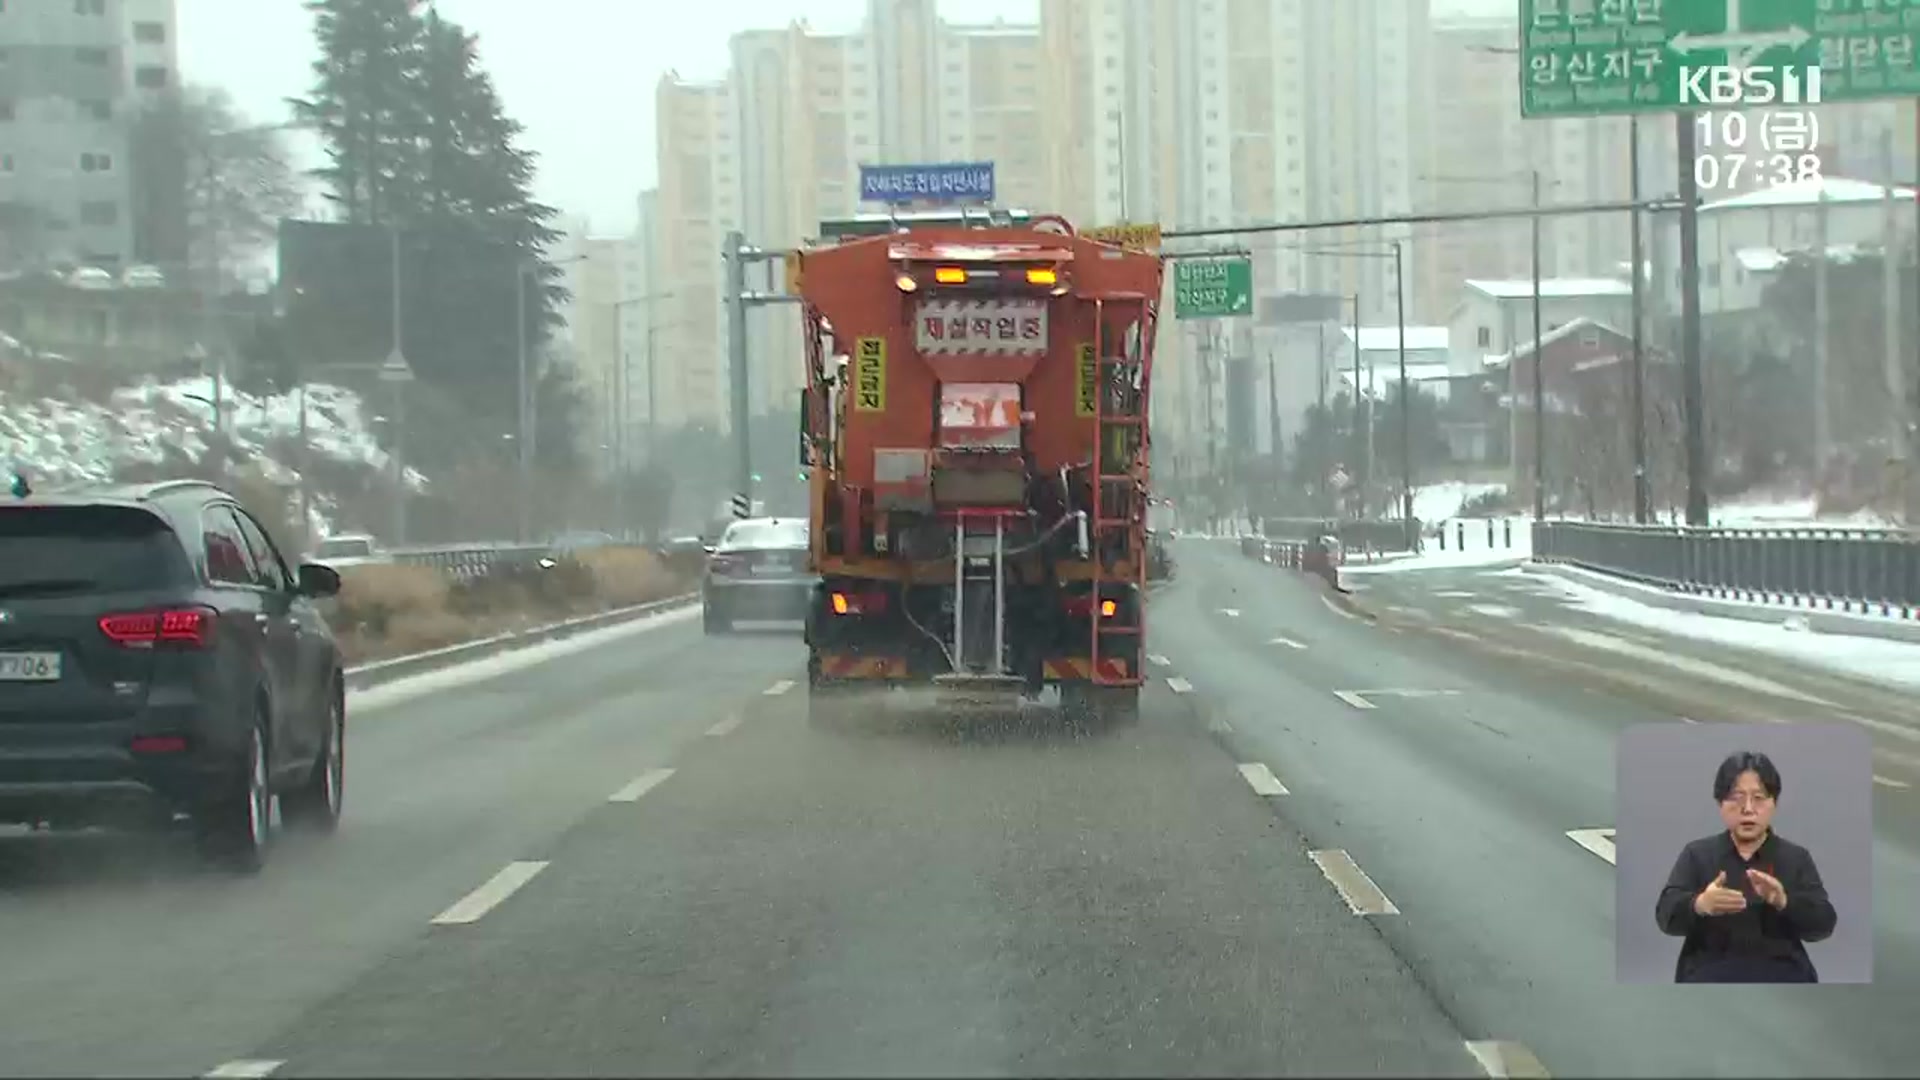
<point x="316" y="803"/>
<point x="235" y="827"/>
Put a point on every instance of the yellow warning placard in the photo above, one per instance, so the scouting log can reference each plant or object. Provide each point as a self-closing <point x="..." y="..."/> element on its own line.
<point x="1086" y="379"/>
<point x="1132" y="237"/>
<point x="870" y="375"/>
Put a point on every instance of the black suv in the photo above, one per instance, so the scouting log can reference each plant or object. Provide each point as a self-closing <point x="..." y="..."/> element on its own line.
<point x="158" y="656"/>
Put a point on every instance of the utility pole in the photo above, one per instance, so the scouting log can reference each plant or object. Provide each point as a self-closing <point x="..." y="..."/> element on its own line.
<point x="734" y="259"/>
<point x="1822" y="342"/>
<point x="1322" y="467"/>
<point x="1899" y="461"/>
<point x="1691" y="379"/>
<point x="396" y="373"/>
<point x="523" y="432"/>
<point x="1364" y="434"/>
<point x="1406" y="403"/>
<point x="1273" y="424"/>
<point x="1642" y="492"/>
<point x="1539" y="372"/>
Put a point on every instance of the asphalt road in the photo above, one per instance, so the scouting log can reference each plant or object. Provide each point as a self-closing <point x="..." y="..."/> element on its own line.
<point x="634" y="857"/>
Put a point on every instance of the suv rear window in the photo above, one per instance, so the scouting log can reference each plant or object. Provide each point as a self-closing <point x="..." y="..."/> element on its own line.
<point x="761" y="535"/>
<point x="50" y="551"/>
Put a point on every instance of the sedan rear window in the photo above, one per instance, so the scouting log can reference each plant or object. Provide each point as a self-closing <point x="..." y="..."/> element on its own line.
<point x="344" y="547"/>
<point x="52" y="551"/>
<point x="764" y="535"/>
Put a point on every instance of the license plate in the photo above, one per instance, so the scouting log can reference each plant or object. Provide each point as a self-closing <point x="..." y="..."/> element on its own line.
<point x="772" y="569"/>
<point x="29" y="667"/>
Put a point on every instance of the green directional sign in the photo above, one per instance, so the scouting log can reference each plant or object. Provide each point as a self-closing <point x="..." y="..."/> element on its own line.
<point x="1212" y="288"/>
<point x="1602" y="57"/>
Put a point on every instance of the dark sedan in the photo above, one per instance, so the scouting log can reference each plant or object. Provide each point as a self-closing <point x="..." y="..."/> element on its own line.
<point x="759" y="570"/>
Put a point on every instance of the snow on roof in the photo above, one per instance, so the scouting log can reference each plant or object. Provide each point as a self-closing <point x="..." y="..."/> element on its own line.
<point x="1762" y="260"/>
<point x="1564" y="330"/>
<point x="1387" y="338"/>
<point x="1385" y="376"/>
<point x="1551" y="287"/>
<point x="1808" y="192"/>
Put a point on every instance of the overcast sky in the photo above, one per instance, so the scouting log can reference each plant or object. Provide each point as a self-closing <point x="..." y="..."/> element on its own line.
<point x="580" y="74"/>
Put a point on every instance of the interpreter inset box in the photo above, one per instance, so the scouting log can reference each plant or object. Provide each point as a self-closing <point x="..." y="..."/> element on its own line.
<point x="1744" y="854"/>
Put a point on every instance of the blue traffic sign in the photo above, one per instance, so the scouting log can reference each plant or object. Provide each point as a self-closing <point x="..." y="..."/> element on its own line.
<point x="970" y="182"/>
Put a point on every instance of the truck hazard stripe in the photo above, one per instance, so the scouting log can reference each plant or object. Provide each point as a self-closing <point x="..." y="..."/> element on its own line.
<point x="854" y="666"/>
<point x="1079" y="668"/>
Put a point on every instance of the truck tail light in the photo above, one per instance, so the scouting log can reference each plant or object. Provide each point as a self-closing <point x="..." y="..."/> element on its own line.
<point x="949" y="275"/>
<point x="192" y="627"/>
<point x="1042" y="275"/>
<point x="871" y="602"/>
<point x="1081" y="607"/>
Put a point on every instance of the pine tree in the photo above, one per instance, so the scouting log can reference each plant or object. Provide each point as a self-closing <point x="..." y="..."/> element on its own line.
<point x="365" y="104"/>
<point x="418" y="138"/>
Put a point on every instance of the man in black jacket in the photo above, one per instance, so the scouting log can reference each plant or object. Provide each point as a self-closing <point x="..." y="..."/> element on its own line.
<point x="1745" y="900"/>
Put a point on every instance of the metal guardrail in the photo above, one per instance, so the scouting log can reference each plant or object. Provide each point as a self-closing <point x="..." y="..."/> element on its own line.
<point x="1852" y="570"/>
<point x="470" y="560"/>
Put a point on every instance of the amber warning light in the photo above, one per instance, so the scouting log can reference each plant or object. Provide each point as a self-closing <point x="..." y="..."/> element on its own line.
<point x="950" y="275"/>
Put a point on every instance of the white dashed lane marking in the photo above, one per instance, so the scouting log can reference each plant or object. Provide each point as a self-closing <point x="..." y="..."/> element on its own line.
<point x="1889" y="782"/>
<point x="1157" y="660"/>
<point x="1230" y="612"/>
<point x="1598" y="841"/>
<point x="1504" y="1060"/>
<point x="1287" y="642"/>
<point x="472" y="906"/>
<point x="1179" y="685"/>
<point x="778" y="688"/>
<point x="646" y="783"/>
<point x="1354" y="699"/>
<point x="1363" y="897"/>
<point x="245" y="1069"/>
<point x="725" y="726"/>
<point x="1261" y="779"/>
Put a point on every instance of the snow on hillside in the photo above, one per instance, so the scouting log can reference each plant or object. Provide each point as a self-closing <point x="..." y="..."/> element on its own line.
<point x="59" y="441"/>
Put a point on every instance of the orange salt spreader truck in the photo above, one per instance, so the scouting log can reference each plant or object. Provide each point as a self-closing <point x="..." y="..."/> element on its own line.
<point x="975" y="434"/>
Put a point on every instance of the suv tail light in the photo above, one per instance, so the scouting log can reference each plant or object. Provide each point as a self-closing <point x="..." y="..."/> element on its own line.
<point x="192" y="627"/>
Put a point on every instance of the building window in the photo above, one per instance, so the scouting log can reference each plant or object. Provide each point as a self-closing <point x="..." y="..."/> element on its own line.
<point x="89" y="7"/>
<point x="1484" y="337"/>
<point x="96" y="163"/>
<point x="6" y="111"/>
<point x="100" y="213"/>
<point x="151" y="77"/>
<point x="6" y="163"/>
<point x="99" y="110"/>
<point x="150" y="33"/>
<point x="92" y="57"/>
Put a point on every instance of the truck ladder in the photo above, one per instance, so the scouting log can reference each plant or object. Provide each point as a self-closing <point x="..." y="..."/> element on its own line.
<point x="1120" y="482"/>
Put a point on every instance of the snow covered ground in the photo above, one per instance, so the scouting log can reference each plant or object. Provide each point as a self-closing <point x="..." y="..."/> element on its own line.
<point x="57" y="441"/>
<point x="1895" y="662"/>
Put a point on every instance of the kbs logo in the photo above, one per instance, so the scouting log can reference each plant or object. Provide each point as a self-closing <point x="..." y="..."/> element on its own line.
<point x="1723" y="84"/>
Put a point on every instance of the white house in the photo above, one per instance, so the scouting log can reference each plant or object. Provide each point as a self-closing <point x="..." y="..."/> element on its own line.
<point x="1494" y="317"/>
<point x="1745" y="238"/>
<point x="1379" y="360"/>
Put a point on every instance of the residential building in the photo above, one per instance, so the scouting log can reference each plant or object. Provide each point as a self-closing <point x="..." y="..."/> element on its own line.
<point x="1377" y="361"/>
<point x="646" y="290"/>
<point x="698" y="203"/>
<point x="73" y="75"/>
<point x="594" y="322"/>
<point x="1494" y="317"/>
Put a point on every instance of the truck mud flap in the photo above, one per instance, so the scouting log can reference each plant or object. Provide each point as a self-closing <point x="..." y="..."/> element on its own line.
<point x="1080" y="669"/>
<point x="852" y="666"/>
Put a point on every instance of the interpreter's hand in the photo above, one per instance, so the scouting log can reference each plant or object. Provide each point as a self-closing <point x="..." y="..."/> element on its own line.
<point x="1717" y="899"/>
<point x="1769" y="889"/>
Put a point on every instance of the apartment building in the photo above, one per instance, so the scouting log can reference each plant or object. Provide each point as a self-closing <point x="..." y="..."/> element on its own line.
<point x="73" y="75"/>
<point x="698" y="202"/>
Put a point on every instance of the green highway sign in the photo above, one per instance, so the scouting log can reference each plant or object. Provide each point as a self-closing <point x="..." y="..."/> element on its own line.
<point x="1212" y="288"/>
<point x="1605" y="57"/>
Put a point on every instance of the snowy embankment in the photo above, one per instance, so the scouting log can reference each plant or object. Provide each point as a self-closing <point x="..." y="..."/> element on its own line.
<point x="57" y="441"/>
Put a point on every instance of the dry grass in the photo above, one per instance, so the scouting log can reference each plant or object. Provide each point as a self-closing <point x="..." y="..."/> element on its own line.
<point x="387" y="610"/>
<point x="627" y="576"/>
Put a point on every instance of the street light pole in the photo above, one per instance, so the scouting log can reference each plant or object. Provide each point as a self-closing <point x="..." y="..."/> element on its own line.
<point x="1642" y="487"/>
<point x="1539" y="393"/>
<point x="1406" y="404"/>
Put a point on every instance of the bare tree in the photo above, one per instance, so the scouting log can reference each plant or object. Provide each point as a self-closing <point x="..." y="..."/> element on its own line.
<point x="209" y="188"/>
